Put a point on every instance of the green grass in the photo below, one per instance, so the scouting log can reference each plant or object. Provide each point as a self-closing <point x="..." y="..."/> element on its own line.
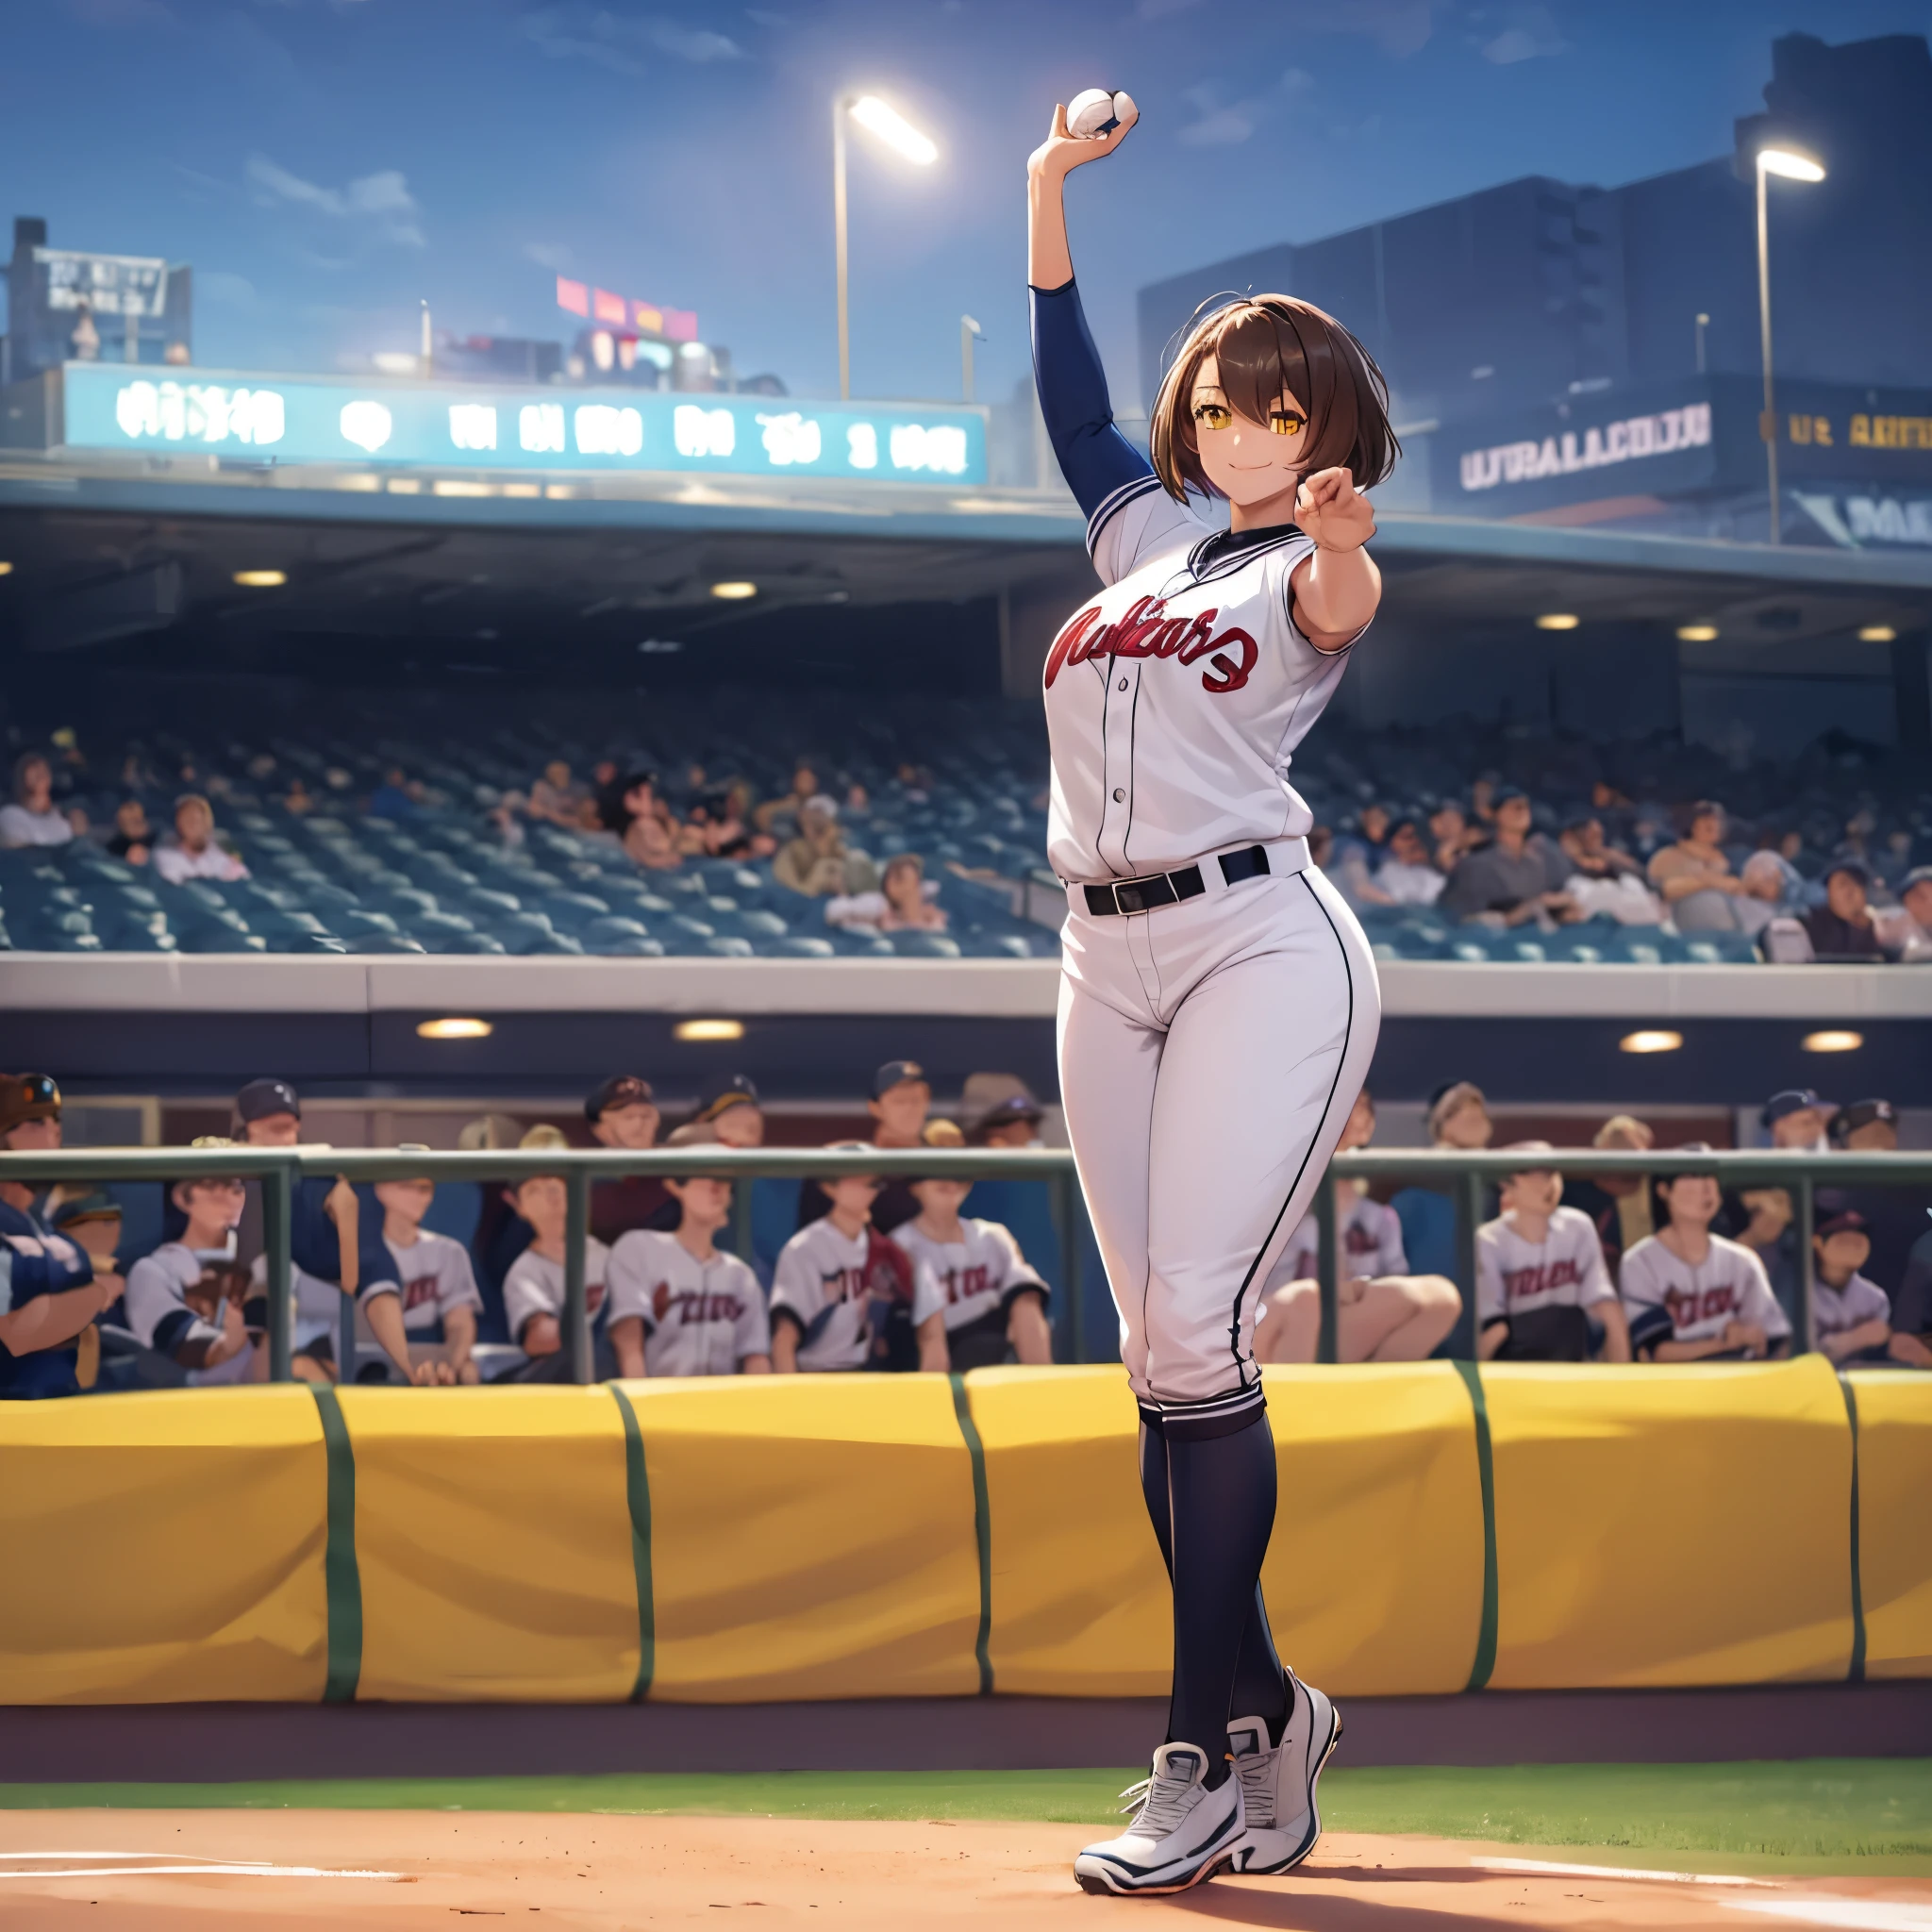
<point x="1815" y="1813"/>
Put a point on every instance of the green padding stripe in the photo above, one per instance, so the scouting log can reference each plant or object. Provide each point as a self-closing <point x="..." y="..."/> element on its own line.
<point x="341" y="1580"/>
<point x="1486" y="1470"/>
<point x="637" y="1484"/>
<point x="982" y="1530"/>
<point x="1856" y="1673"/>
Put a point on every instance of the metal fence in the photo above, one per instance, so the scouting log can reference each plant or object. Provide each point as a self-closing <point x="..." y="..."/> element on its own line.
<point x="1459" y="1174"/>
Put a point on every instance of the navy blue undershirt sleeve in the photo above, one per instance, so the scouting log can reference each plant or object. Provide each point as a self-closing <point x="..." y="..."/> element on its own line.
<point x="1094" y="457"/>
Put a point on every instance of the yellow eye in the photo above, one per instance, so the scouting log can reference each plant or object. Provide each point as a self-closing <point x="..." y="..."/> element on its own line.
<point x="1213" y="415"/>
<point x="1286" y="423"/>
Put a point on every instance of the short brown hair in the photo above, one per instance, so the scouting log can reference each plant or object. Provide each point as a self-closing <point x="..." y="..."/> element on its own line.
<point x="1263" y="345"/>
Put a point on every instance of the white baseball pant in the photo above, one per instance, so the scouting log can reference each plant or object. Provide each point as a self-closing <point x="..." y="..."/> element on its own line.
<point x="1209" y="1053"/>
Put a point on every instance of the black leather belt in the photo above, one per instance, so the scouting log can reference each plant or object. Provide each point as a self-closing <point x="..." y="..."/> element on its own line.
<point x="1170" y="887"/>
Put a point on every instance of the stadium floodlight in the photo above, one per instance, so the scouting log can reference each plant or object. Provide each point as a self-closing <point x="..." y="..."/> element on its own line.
<point x="1697" y="633"/>
<point x="1832" y="1040"/>
<point x="1876" y="634"/>
<point x="734" y="588"/>
<point x="6" y="568"/>
<point x="1559" y="619"/>
<point x="261" y="579"/>
<point x="1787" y="164"/>
<point x="878" y="117"/>
<point x="1651" y="1040"/>
<point x="708" y="1029"/>
<point x="454" y="1029"/>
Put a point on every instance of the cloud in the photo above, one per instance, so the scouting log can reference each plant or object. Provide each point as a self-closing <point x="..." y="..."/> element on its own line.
<point x="555" y="256"/>
<point x="381" y="202"/>
<point x="1216" y="124"/>
<point x="1531" y="35"/>
<point x="624" y="43"/>
<point x="224" y="289"/>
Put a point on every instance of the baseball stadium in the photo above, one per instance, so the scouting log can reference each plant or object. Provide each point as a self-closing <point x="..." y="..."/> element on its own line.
<point x="776" y="1140"/>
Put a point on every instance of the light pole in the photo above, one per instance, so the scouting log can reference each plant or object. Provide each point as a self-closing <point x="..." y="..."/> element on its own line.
<point x="906" y="139"/>
<point x="1703" y="323"/>
<point x="968" y="329"/>
<point x="1790" y="165"/>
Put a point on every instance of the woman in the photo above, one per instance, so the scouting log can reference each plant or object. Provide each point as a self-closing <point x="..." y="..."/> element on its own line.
<point x="1694" y="876"/>
<point x="647" y="839"/>
<point x="1218" y="1002"/>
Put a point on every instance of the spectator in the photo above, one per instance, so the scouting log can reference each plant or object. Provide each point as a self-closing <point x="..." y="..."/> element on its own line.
<point x="1407" y="876"/>
<point x="993" y="1304"/>
<point x="33" y="819"/>
<point x="396" y="797"/>
<point x="1771" y="886"/>
<point x="649" y="836"/>
<point x="908" y="908"/>
<point x="1905" y="930"/>
<point x="1618" y="1205"/>
<point x="1454" y="838"/>
<point x="1543" y="1293"/>
<point x="814" y="862"/>
<point x="774" y="813"/>
<point x="1850" y="1315"/>
<point x="427" y="1319"/>
<point x="1895" y="1217"/>
<point x="837" y="1283"/>
<point x="1694" y="876"/>
<point x="133" y="836"/>
<point x="1458" y="1116"/>
<point x="1767" y="1230"/>
<point x="196" y="853"/>
<point x="1590" y="853"/>
<point x="1515" y="878"/>
<point x="1842" y="928"/>
<point x="299" y="801"/>
<point x="187" y="1300"/>
<point x="623" y="1112"/>
<point x="555" y="797"/>
<point x="53" y="1294"/>
<point x="937" y="1132"/>
<point x="1383" y="1313"/>
<point x="1013" y="1121"/>
<point x="1604" y="882"/>
<point x="678" y="1305"/>
<point x="1796" y="1118"/>
<point x="1688" y="1294"/>
<point x="731" y="1110"/>
<point x="533" y="1286"/>
<point x="94" y="1219"/>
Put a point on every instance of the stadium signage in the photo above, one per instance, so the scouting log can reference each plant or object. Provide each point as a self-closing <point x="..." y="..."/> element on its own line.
<point x="1628" y="440"/>
<point x="301" y="419"/>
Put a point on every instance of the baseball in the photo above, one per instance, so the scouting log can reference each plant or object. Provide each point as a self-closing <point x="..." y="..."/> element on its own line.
<point x="1095" y="113"/>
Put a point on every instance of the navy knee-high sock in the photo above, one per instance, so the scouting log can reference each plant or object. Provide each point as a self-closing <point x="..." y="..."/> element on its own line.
<point x="1242" y="1508"/>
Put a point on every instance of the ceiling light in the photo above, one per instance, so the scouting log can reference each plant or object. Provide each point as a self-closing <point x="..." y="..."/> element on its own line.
<point x="1791" y="164"/>
<point x="732" y="589"/>
<point x="893" y="129"/>
<point x="261" y="579"/>
<point x="1876" y="634"/>
<point x="708" y="1029"/>
<point x="6" y="569"/>
<point x="1697" y="633"/>
<point x="1832" y="1040"/>
<point x="1655" y="1040"/>
<point x="1557" y="620"/>
<point x="454" y="1029"/>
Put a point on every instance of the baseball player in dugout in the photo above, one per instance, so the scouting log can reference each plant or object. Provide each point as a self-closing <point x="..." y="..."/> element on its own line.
<point x="1218" y="1005"/>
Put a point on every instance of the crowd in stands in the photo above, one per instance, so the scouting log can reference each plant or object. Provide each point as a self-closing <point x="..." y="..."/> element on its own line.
<point x="465" y="1283"/>
<point x="914" y="828"/>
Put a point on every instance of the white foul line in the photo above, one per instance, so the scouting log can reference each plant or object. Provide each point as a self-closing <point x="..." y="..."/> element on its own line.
<point x="1853" y="1914"/>
<point x="1555" y="1870"/>
<point x="227" y="1870"/>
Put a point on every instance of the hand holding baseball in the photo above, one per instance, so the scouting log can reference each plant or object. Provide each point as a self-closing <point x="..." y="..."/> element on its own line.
<point x="1063" y="150"/>
<point x="1333" y="512"/>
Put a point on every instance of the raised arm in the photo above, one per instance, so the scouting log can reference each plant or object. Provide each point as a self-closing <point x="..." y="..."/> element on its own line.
<point x="1094" y="457"/>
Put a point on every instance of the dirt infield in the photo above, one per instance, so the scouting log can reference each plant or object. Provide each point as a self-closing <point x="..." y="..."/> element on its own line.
<point x="156" y="1870"/>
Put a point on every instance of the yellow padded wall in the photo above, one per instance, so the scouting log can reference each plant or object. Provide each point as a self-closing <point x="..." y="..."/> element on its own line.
<point x="1895" y="1520"/>
<point x="492" y="1536"/>
<point x="161" y="1547"/>
<point x="1684" y="1524"/>
<point x="811" y="1536"/>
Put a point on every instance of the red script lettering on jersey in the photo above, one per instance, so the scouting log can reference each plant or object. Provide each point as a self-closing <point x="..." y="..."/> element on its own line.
<point x="1145" y="630"/>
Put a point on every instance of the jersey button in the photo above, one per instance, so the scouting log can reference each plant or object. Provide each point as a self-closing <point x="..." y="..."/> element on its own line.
<point x="1118" y="795"/>
<point x="1124" y="684"/>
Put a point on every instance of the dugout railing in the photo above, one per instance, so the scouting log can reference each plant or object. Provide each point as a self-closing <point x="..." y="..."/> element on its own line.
<point x="1464" y="1176"/>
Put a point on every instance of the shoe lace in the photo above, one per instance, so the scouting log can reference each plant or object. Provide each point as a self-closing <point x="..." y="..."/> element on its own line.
<point x="1159" y="1803"/>
<point x="1258" y="1787"/>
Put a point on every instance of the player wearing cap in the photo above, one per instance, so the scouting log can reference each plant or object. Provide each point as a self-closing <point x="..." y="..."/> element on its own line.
<point x="1797" y="1118"/>
<point x="1218" y="1002"/>
<point x="731" y="1108"/>
<point x="1850" y="1315"/>
<point x="992" y="1300"/>
<point x="187" y="1300"/>
<point x="679" y="1305"/>
<point x="1542" y="1292"/>
<point x="836" y="1281"/>
<point x="623" y="1112"/>
<point x="1688" y="1294"/>
<point x="427" y="1319"/>
<point x="48" y="1290"/>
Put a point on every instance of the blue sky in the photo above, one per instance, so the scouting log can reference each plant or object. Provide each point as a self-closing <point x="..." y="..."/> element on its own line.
<point x="324" y="164"/>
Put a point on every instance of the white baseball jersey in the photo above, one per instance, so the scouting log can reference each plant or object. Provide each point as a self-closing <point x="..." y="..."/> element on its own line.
<point x="824" y="1281"/>
<point x="700" y="1318"/>
<point x="1668" y="1300"/>
<point x="1371" y="1243"/>
<point x="1515" y="1275"/>
<point x="534" y="1286"/>
<point x="436" y="1277"/>
<point x="1177" y="696"/>
<point x="971" y="1278"/>
<point x="1835" y="1309"/>
<point x="156" y="1304"/>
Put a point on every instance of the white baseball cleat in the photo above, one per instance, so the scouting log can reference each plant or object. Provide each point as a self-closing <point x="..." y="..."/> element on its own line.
<point x="1181" y="1834"/>
<point x="1278" y="1783"/>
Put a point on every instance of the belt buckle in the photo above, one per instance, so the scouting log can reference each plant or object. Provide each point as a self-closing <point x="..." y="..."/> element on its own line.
<point x="1144" y="894"/>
